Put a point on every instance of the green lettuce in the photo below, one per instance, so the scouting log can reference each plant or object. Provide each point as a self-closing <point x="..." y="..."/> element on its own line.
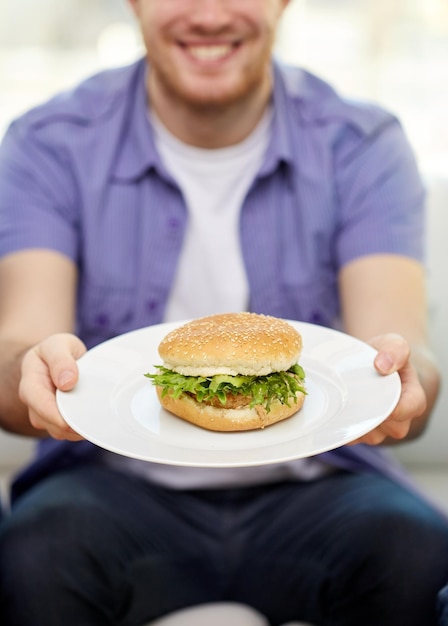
<point x="282" y="386"/>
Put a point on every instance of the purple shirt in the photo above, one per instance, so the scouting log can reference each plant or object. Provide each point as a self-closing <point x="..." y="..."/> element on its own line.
<point x="81" y="175"/>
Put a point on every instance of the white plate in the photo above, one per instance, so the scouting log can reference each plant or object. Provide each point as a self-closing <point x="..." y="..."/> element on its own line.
<point x="115" y="406"/>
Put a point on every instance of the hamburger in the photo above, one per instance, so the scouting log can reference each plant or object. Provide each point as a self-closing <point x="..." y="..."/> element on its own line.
<point x="231" y="372"/>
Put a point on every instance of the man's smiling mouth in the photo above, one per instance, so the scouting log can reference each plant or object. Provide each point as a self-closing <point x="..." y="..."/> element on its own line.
<point x="210" y="52"/>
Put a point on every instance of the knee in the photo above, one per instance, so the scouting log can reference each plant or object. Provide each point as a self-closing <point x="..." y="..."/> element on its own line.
<point x="36" y="546"/>
<point x="407" y="541"/>
<point x="403" y="541"/>
<point x="400" y="557"/>
<point x="50" y="556"/>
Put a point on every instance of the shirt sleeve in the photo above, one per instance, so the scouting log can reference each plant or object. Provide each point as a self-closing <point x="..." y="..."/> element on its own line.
<point x="37" y="190"/>
<point x="381" y="196"/>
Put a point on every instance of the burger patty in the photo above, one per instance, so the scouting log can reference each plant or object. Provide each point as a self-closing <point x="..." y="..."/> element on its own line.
<point x="233" y="401"/>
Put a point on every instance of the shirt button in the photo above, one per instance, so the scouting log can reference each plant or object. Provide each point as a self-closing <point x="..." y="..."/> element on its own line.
<point x="173" y="223"/>
<point x="152" y="305"/>
<point x="102" y="320"/>
<point x="316" y="317"/>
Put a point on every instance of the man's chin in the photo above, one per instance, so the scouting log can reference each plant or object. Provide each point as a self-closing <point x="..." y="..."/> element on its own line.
<point x="211" y="101"/>
<point x="206" y="96"/>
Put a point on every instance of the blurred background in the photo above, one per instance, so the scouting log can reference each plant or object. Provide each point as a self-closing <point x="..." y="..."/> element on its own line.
<point x="394" y="52"/>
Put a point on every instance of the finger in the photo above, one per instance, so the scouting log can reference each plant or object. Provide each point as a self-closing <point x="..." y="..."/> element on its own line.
<point x="60" y="353"/>
<point x="374" y="438"/>
<point x="393" y="353"/>
<point x="396" y="429"/>
<point x="413" y="400"/>
<point x="37" y="392"/>
<point x="37" y="389"/>
<point x="53" y="425"/>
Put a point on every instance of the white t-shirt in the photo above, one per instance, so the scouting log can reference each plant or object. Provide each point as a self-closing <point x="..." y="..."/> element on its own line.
<point x="211" y="277"/>
<point x="214" y="184"/>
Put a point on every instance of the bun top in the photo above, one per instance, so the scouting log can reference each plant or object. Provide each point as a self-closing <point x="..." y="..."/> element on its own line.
<point x="232" y="343"/>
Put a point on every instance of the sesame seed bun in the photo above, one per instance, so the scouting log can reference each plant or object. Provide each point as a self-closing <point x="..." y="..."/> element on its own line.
<point x="232" y="343"/>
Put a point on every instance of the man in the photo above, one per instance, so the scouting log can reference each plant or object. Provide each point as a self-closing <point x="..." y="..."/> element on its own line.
<point x="299" y="205"/>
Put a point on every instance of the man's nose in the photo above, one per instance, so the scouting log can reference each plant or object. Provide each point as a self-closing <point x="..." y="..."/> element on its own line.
<point x="211" y="14"/>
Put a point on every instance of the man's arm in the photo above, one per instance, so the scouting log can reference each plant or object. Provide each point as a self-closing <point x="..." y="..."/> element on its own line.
<point x="384" y="302"/>
<point x="37" y="299"/>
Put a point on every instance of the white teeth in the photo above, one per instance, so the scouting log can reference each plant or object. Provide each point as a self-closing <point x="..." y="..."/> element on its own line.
<point x="209" y="53"/>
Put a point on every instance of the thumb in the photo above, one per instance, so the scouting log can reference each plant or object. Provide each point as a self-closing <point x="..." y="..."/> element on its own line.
<point x="60" y="353"/>
<point x="393" y="353"/>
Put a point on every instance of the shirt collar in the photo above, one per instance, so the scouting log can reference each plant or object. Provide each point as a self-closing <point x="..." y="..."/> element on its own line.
<point x="280" y="151"/>
<point x="139" y="155"/>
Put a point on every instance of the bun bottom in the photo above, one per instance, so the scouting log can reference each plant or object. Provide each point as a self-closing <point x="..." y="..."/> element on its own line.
<point x="228" y="420"/>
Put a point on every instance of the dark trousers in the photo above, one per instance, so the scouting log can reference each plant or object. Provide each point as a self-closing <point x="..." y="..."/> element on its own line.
<point x="95" y="547"/>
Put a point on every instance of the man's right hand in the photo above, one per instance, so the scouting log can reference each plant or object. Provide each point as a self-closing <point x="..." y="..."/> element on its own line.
<point x="48" y="366"/>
